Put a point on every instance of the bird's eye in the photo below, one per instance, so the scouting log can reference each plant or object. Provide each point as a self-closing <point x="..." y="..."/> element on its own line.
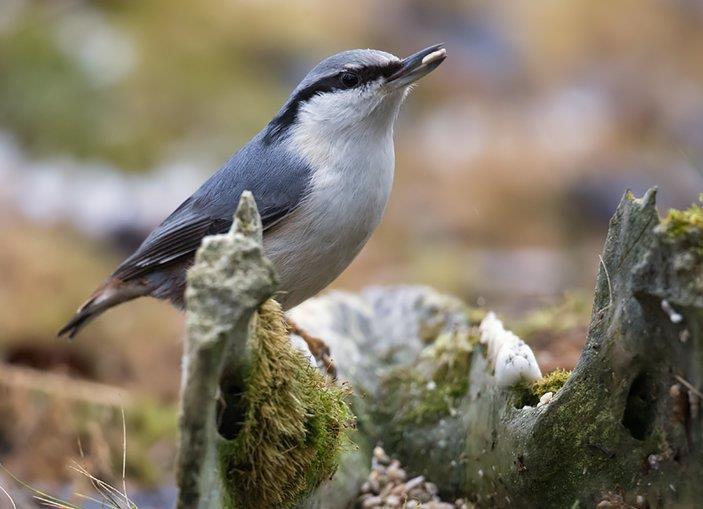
<point x="349" y="79"/>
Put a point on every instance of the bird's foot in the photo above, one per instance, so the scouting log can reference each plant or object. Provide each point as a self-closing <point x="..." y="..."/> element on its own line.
<point x="318" y="348"/>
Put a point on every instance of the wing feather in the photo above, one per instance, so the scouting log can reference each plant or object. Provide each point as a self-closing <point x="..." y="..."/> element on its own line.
<point x="277" y="179"/>
<point x="180" y="238"/>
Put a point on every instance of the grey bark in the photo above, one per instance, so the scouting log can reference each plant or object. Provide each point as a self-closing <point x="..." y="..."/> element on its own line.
<point x="624" y="431"/>
<point x="226" y="285"/>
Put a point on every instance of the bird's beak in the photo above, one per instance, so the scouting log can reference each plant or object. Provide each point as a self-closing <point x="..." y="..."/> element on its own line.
<point x="418" y="65"/>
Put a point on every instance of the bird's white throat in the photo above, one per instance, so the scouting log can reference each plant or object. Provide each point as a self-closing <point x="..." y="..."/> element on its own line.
<point x="351" y="179"/>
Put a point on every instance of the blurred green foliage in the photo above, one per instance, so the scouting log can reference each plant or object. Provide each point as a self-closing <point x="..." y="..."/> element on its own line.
<point x="44" y="98"/>
<point x="194" y="74"/>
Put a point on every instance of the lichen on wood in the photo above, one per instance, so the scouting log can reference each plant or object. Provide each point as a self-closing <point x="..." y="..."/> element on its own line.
<point x="681" y="223"/>
<point x="624" y="425"/>
<point x="260" y="427"/>
<point x="228" y="281"/>
<point x="530" y="394"/>
<point x="435" y="384"/>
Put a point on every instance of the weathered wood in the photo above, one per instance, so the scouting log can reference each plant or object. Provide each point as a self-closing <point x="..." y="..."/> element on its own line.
<point x="260" y="425"/>
<point x="228" y="282"/>
<point x="625" y="428"/>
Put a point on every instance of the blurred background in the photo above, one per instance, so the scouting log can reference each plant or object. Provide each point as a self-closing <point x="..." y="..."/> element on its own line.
<point x="511" y="158"/>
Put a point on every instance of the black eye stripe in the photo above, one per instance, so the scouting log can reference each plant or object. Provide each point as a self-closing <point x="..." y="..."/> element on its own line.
<point x="373" y="72"/>
<point x="367" y="74"/>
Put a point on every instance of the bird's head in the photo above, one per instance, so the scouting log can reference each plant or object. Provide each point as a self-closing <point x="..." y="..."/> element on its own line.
<point x="353" y="90"/>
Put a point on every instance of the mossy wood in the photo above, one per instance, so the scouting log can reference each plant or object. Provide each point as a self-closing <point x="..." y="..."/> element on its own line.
<point x="625" y="429"/>
<point x="260" y="426"/>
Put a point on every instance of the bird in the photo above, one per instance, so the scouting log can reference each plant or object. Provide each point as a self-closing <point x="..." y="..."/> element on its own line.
<point x="321" y="173"/>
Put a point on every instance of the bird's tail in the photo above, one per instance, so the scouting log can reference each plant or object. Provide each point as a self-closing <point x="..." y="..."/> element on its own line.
<point x="112" y="293"/>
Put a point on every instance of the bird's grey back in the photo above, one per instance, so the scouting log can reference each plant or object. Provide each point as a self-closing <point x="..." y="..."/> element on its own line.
<point x="275" y="176"/>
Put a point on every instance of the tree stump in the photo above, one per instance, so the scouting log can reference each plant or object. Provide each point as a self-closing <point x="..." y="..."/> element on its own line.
<point x="624" y="430"/>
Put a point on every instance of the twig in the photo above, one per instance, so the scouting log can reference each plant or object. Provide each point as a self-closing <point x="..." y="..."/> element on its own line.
<point x="9" y="497"/>
<point x="45" y="498"/>
<point x="107" y="491"/>
<point x="689" y="386"/>
<point x="124" y="460"/>
<point x="610" y="286"/>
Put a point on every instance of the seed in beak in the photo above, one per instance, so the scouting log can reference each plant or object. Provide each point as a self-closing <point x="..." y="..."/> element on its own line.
<point x="435" y="55"/>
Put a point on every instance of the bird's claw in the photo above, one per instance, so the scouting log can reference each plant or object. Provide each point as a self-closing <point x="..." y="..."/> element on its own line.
<point x="318" y="348"/>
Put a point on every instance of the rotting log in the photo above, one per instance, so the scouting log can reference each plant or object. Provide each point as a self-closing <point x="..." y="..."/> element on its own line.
<point x="624" y="431"/>
<point x="260" y="426"/>
<point x="228" y="282"/>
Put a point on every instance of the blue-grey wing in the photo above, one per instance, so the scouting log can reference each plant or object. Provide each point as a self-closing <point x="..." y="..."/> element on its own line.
<point x="277" y="182"/>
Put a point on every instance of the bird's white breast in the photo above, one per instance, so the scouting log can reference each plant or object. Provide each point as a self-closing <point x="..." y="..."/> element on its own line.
<point x="352" y="175"/>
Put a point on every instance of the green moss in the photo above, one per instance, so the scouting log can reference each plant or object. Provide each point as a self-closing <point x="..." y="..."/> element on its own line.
<point x="294" y="428"/>
<point x="589" y="445"/>
<point x="684" y="223"/>
<point x="529" y="395"/>
<point x="431" y="389"/>
<point x="550" y="383"/>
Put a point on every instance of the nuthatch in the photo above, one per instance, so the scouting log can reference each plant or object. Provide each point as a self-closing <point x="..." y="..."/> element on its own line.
<point x="321" y="172"/>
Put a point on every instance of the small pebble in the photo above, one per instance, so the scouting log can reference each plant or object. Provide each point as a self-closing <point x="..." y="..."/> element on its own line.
<point x="395" y="473"/>
<point x="653" y="460"/>
<point x="386" y="487"/>
<point x="380" y="455"/>
<point x="545" y="399"/>
<point x="386" y="491"/>
<point x="415" y="482"/>
<point x="399" y="489"/>
<point x="374" y="485"/>
<point x="372" y="502"/>
<point x="393" y="501"/>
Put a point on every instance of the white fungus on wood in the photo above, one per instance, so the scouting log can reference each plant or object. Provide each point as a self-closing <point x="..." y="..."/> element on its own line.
<point x="674" y="316"/>
<point x="545" y="399"/>
<point x="512" y="359"/>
